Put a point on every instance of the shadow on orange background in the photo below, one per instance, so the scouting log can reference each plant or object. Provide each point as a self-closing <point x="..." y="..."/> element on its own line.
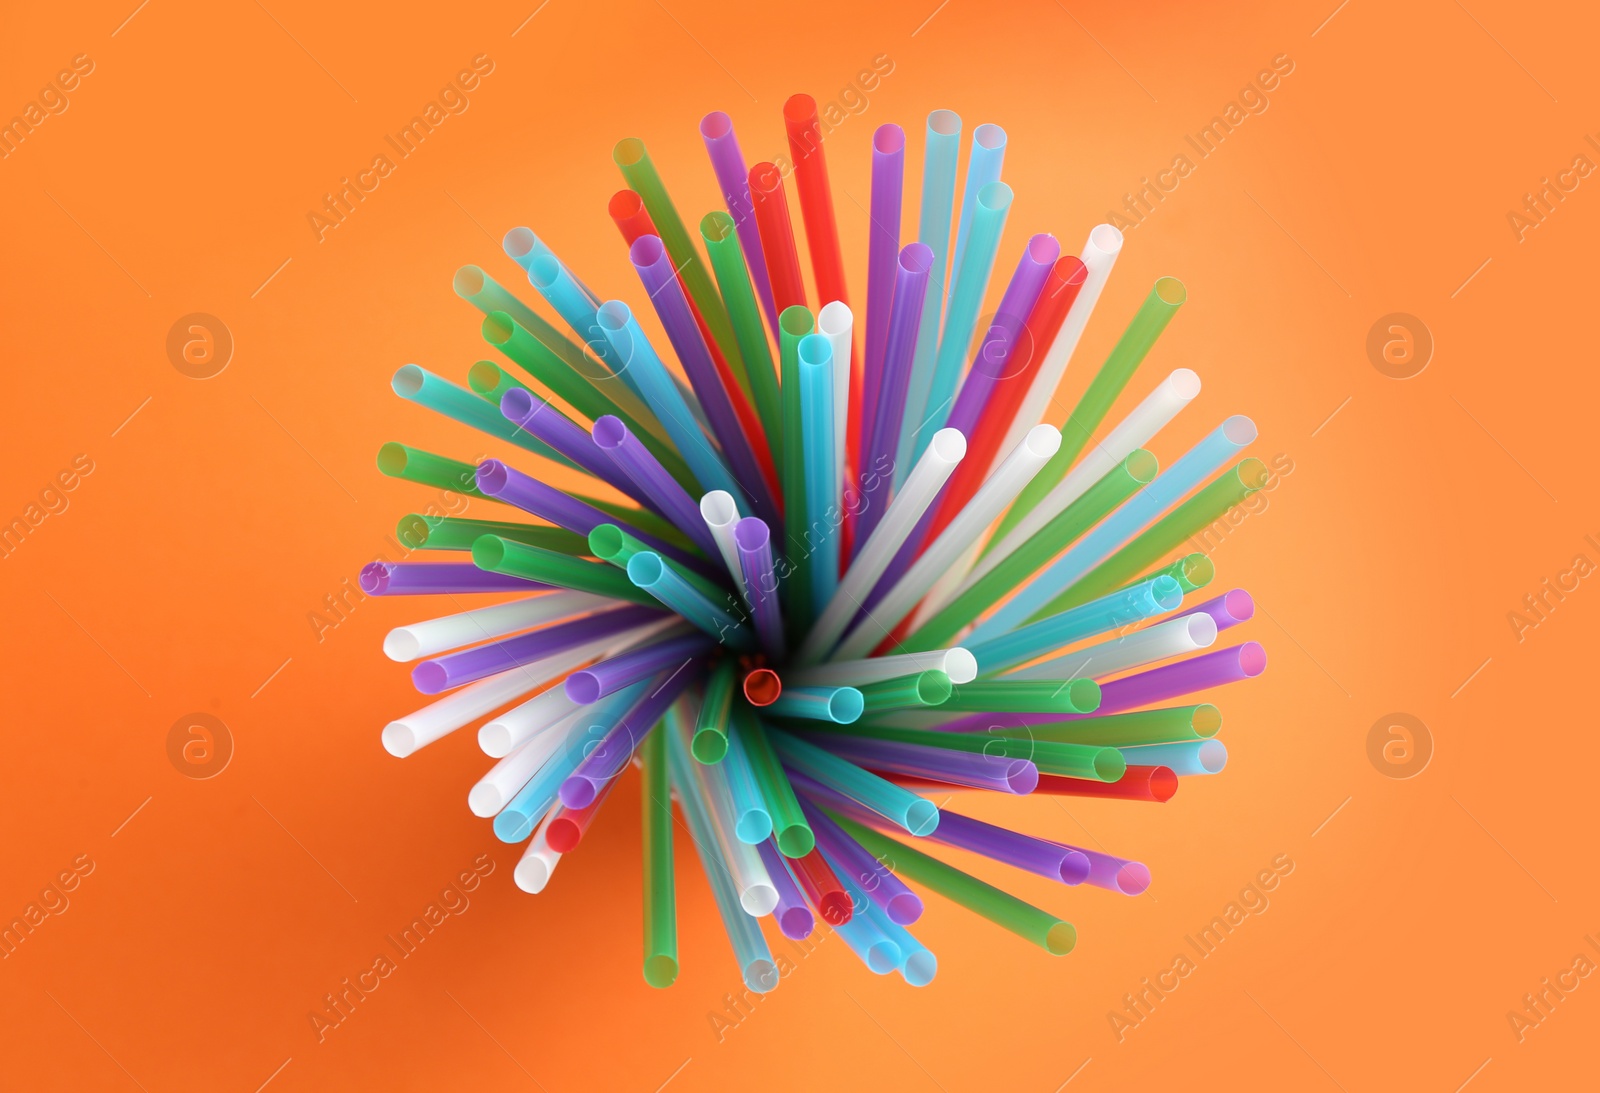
<point x="207" y="918"/>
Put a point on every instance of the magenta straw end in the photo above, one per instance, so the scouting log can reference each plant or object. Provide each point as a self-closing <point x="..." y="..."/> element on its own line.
<point x="1252" y="658"/>
<point x="646" y="251"/>
<point x="715" y="126"/>
<point x="1240" y="605"/>
<point x="1044" y="249"/>
<point x="1133" y="878"/>
<point x="1075" y="867"/>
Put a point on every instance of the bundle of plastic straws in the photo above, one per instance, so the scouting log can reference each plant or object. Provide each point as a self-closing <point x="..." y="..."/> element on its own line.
<point x="837" y="567"/>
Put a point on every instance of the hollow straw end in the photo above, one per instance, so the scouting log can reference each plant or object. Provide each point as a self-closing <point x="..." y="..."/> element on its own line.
<point x="660" y="970"/>
<point x="398" y="739"/>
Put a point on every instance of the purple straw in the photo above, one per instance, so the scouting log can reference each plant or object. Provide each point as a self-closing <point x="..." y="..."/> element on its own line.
<point x="716" y="129"/>
<point x="1066" y="864"/>
<point x="1228" y="609"/>
<point x="1112" y="873"/>
<point x="753" y="539"/>
<point x="882" y="443"/>
<point x="964" y="768"/>
<point x="533" y="414"/>
<point x="794" y="917"/>
<point x="883" y="245"/>
<point x="454" y="669"/>
<point x="850" y="858"/>
<point x="1185" y="677"/>
<point x="593" y="683"/>
<point x="651" y="479"/>
<point x="650" y="258"/>
<point x="428" y="578"/>
<point x="610" y="756"/>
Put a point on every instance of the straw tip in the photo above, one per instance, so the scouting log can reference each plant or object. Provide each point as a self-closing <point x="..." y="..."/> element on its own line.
<point x="1060" y="939"/>
<point x="398" y="739"/>
<point x="609" y="432"/>
<point x="660" y="970"/>
<point x="709" y="746"/>
<point x="468" y="281"/>
<point x="922" y="817"/>
<point x="904" y="908"/>
<point x="796" y="841"/>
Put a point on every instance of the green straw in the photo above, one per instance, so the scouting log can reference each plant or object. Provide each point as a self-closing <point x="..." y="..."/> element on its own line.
<point x="1072" y="760"/>
<point x="1026" y="696"/>
<point x="1067" y="527"/>
<point x="639" y="170"/>
<point x="1192" y="572"/>
<point x="645" y="520"/>
<point x="1152" y="318"/>
<point x="930" y="688"/>
<point x="660" y="906"/>
<point x="710" y="741"/>
<point x="1172" y="725"/>
<point x="789" y="826"/>
<point x="498" y="555"/>
<point x="611" y="544"/>
<point x="793" y="324"/>
<point x="733" y="278"/>
<point x="454" y="533"/>
<point x="917" y="815"/>
<point x="1028" y="922"/>
<point x="416" y="465"/>
<point x="1162" y="537"/>
<point x="489" y="381"/>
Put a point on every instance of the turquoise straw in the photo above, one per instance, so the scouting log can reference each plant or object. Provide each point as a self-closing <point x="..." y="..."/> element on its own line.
<point x="756" y="967"/>
<point x="443" y="397"/>
<point x="933" y="230"/>
<point x="752" y="822"/>
<point x="866" y="939"/>
<point x="914" y="814"/>
<point x="563" y="292"/>
<point x="1132" y="604"/>
<point x="840" y="705"/>
<point x="967" y="285"/>
<point x="1164" y="491"/>
<point x="821" y="558"/>
<point x="649" y="571"/>
<point x="639" y="359"/>
<point x="916" y="964"/>
<point x="983" y="167"/>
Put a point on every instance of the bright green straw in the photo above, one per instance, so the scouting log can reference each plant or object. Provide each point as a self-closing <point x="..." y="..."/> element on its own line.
<point x="499" y="555"/>
<point x="733" y="278"/>
<point x="1152" y="318"/>
<point x="1162" y="537"/>
<point x="1026" y="696"/>
<point x="640" y="172"/>
<point x="793" y="324"/>
<point x="710" y="741"/>
<point x="454" y="533"/>
<point x="489" y="381"/>
<point x="611" y="544"/>
<point x="1045" y="930"/>
<point x="660" y="906"/>
<point x="789" y="826"/>
<point x="1172" y="725"/>
<point x="1071" y="760"/>
<point x="416" y="465"/>
<point x="645" y="520"/>
<point x="1192" y="572"/>
<point x="930" y="688"/>
<point x="438" y="394"/>
<point x="915" y="814"/>
<point x="1067" y="527"/>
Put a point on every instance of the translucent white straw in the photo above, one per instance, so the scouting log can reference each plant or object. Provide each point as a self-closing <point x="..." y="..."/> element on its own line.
<point x="502" y="782"/>
<point x="538" y="861"/>
<point x="960" y="665"/>
<point x="947" y="448"/>
<point x="1172" y="638"/>
<point x="837" y="322"/>
<point x="439" y="719"/>
<point x="998" y="491"/>
<point x="757" y="894"/>
<point x="423" y="639"/>
<point x="720" y="512"/>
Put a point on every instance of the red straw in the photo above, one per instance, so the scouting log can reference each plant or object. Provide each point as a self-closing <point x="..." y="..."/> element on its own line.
<point x="777" y="236"/>
<point x="762" y="687"/>
<point x="568" y="824"/>
<point x="822" y="888"/>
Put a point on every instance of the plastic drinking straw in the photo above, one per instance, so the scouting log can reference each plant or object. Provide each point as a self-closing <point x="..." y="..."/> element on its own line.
<point x="1051" y="757"/>
<point x="527" y="413"/>
<point x="930" y="688"/>
<point x="1054" y="861"/>
<point x="516" y="820"/>
<point x="572" y="302"/>
<point x="421" y="639"/>
<point x="402" y="737"/>
<point x="837" y="321"/>
<point x="968" y="283"/>
<point x="1156" y="784"/>
<point x="522" y="246"/>
<point x="717" y="231"/>
<point x="716" y="129"/>
<point x="611" y="544"/>
<point x="644" y="520"/>
<point x="604" y="677"/>
<point x="609" y="758"/>
<point x="918" y="965"/>
<point x="1229" y="609"/>
<point x="775" y="230"/>
<point x="794" y="324"/>
<point x="859" y="869"/>
<point x="1174" y="637"/>
<point x="566" y="826"/>
<point x="881" y="448"/>
<point x="915" y="814"/>
<point x="816" y="196"/>
<point x="791" y="831"/>
<point x="921" y="487"/>
<point x="870" y="944"/>
<point x="428" y="469"/>
<point x="1070" y="525"/>
<point x="1129" y="878"/>
<point x="649" y="572"/>
<point x="839" y="705"/>
<point x="1170" y="725"/>
<point x="496" y="788"/>
<point x="933" y="230"/>
<point x="1165" y="297"/>
<point x="761" y="687"/>
<point x="756" y="968"/>
<point x="724" y="404"/>
<point x="443" y="397"/>
<point x="720" y="513"/>
<point x="822" y="888"/>
<point x="820" y="560"/>
<point x="660" y="897"/>
<point x="419" y="531"/>
<point x="957" y="664"/>
<point x="1182" y="757"/>
<point x="1160" y="538"/>
<point x="651" y="481"/>
<point x="1170" y="486"/>
<point x="640" y="173"/>
<point x="754" y="544"/>
<point x="1000" y="773"/>
<point x="757" y="894"/>
<point x="666" y="402"/>
<point x="1024" y="696"/>
<point x="1152" y="597"/>
<point x="993" y="496"/>
<point x="538" y="862"/>
<point x="883" y="249"/>
<point x="1026" y="921"/>
<point x="1192" y="572"/>
<point x="710" y="741"/>
<point x="488" y="296"/>
<point x="752" y="821"/>
<point x="436" y="578"/>
<point x="1184" y="677"/>
<point x="501" y="556"/>
<point x="983" y="167"/>
<point x="795" y="919"/>
<point x="490" y="382"/>
<point x="453" y="669"/>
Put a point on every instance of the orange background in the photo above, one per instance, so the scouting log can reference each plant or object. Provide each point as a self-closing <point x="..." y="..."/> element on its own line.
<point x="180" y="578"/>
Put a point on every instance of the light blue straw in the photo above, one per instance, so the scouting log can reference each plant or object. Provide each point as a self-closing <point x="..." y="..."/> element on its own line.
<point x="983" y="167"/>
<point x="649" y="571"/>
<point x="915" y="814"/>
<point x="821" y="471"/>
<point x="862" y="933"/>
<point x="1132" y="604"/>
<point x="752" y="822"/>
<point x="840" y="705"/>
<point x="563" y="292"/>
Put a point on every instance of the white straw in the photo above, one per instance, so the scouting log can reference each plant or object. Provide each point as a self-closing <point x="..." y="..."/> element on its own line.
<point x="720" y="512"/>
<point x="757" y="894"/>
<point x="538" y="861"/>
<point x="424" y="639"/>
<point x="515" y="727"/>
<point x="1172" y="638"/>
<point x="837" y="322"/>
<point x="439" y="719"/>
<point x="960" y="665"/>
<point x="947" y="448"/>
<point x="506" y="778"/>
<point x="999" y="490"/>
